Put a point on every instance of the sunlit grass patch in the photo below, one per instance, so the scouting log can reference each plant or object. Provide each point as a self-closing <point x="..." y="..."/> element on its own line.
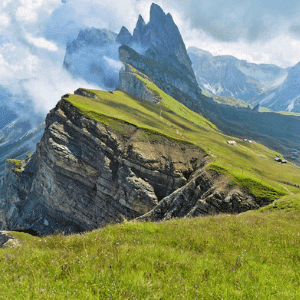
<point x="290" y="203"/>
<point x="251" y="255"/>
<point x="18" y="164"/>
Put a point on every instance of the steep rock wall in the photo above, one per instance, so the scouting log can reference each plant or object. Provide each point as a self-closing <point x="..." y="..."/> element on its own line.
<point x="131" y="84"/>
<point x="168" y="78"/>
<point x="84" y="175"/>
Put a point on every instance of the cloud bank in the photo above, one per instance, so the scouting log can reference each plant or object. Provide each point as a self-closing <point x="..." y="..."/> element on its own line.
<point x="34" y="33"/>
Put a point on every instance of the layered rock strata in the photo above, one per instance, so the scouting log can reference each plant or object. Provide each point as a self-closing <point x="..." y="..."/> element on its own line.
<point x="85" y="175"/>
<point x="133" y="85"/>
<point x="206" y="193"/>
<point x="165" y="75"/>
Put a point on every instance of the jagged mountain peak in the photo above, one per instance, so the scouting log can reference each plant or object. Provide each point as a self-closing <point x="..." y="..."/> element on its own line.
<point x="163" y="27"/>
<point x="139" y="30"/>
<point x="156" y="13"/>
<point x="124" y="36"/>
<point x="159" y="40"/>
<point x="140" y="21"/>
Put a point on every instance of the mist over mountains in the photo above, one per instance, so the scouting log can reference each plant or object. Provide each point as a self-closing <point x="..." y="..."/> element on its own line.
<point x="93" y="56"/>
<point x="89" y="57"/>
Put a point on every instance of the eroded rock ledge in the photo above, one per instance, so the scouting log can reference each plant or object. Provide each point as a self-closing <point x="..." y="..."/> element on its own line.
<point x="84" y="175"/>
<point x="8" y="241"/>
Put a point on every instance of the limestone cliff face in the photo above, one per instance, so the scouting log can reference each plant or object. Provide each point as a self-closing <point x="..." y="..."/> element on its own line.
<point x="167" y="77"/>
<point x="159" y="40"/>
<point x="131" y="84"/>
<point x="205" y="193"/>
<point x="84" y="175"/>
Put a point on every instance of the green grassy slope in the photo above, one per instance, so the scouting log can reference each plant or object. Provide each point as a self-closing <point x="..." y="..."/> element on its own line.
<point x="249" y="164"/>
<point x="254" y="255"/>
<point x="232" y="101"/>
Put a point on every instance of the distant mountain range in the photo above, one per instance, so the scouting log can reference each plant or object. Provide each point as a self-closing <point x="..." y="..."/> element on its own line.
<point x="287" y="95"/>
<point x="93" y="56"/>
<point x="157" y="50"/>
<point x="263" y="84"/>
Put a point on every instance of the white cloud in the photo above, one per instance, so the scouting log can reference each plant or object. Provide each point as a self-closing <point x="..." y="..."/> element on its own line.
<point x="113" y="63"/>
<point x="47" y="89"/>
<point x="36" y="31"/>
<point x="29" y="10"/>
<point x="42" y="43"/>
<point x="283" y="50"/>
<point x="4" y="21"/>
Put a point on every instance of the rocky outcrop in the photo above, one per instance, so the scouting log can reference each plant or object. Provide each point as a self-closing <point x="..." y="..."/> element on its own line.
<point x="131" y="83"/>
<point x="7" y="241"/>
<point x="84" y="175"/>
<point x="3" y="238"/>
<point x="167" y="77"/>
<point x="161" y="41"/>
<point x="206" y="193"/>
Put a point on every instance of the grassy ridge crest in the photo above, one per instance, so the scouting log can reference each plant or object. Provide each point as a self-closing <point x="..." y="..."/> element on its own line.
<point x="251" y="164"/>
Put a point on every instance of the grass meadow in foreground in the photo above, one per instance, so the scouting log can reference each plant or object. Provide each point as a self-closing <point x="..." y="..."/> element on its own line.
<point x="254" y="255"/>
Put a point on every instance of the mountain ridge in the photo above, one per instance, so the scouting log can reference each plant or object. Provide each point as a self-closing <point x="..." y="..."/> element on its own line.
<point x="225" y="75"/>
<point x="66" y="185"/>
<point x="137" y="153"/>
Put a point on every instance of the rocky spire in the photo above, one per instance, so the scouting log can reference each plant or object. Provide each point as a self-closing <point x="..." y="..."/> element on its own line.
<point x="124" y="37"/>
<point x="157" y="15"/>
<point x="139" y="30"/>
<point x="164" y="40"/>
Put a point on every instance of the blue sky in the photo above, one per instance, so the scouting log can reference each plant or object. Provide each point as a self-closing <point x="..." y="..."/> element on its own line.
<point x="33" y="34"/>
